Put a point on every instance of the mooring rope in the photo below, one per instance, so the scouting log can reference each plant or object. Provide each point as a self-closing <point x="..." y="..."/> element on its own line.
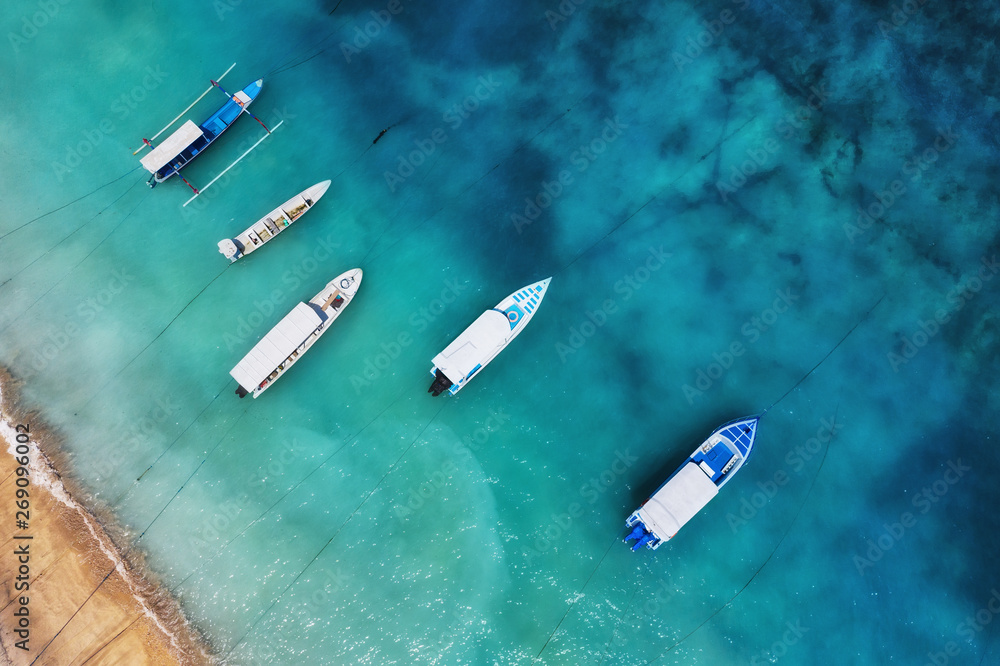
<point x="392" y="468"/>
<point x="80" y="198"/>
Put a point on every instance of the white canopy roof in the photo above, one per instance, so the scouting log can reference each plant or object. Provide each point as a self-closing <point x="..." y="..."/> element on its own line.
<point x="276" y="346"/>
<point x="476" y="345"/>
<point x="678" y="501"/>
<point x="171" y="147"/>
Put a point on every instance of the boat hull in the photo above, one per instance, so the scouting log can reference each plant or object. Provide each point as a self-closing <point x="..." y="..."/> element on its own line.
<point x="278" y="351"/>
<point x="268" y="227"/>
<point x="692" y="485"/>
<point x="485" y="338"/>
<point x="211" y="130"/>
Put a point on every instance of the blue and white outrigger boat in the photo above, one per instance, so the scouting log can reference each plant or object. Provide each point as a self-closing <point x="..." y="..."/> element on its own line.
<point x="486" y="337"/>
<point x="190" y="140"/>
<point x="693" y="485"/>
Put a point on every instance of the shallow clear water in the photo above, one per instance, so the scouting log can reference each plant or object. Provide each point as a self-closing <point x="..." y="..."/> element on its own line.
<point x="701" y="180"/>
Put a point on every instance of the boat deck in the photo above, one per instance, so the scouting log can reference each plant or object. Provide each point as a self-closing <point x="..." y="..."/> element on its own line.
<point x="715" y="461"/>
<point x="741" y="433"/>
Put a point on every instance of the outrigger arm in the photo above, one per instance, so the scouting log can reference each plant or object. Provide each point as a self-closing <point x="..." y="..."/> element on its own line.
<point x="248" y="151"/>
<point x="181" y="114"/>
<point x="243" y="108"/>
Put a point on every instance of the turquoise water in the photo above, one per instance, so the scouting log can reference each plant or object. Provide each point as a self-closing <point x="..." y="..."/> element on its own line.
<point x="719" y="190"/>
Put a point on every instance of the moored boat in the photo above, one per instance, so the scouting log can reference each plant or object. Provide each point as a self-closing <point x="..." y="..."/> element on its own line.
<point x="486" y="337"/>
<point x="693" y="485"/>
<point x="269" y="226"/>
<point x="178" y="149"/>
<point x="294" y="335"/>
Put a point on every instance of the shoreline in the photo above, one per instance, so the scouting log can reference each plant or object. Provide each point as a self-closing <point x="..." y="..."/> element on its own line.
<point x="81" y="600"/>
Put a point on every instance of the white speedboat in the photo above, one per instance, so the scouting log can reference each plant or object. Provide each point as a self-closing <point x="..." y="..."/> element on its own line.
<point x="693" y="484"/>
<point x="294" y="335"/>
<point x="273" y="223"/>
<point x="479" y="344"/>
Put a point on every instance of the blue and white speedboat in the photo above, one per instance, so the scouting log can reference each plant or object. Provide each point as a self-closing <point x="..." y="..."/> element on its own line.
<point x="693" y="484"/>
<point x="174" y="153"/>
<point x="480" y="343"/>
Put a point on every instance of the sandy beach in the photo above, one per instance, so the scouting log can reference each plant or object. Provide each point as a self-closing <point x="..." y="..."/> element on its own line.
<point x="69" y="596"/>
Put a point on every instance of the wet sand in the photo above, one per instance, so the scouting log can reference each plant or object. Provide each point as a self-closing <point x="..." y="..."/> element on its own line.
<point x="85" y="604"/>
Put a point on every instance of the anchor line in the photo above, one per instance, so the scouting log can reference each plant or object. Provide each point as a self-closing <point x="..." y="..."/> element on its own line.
<point x="191" y="476"/>
<point x="788" y="529"/>
<point x="66" y="624"/>
<point x="606" y="652"/>
<point x="116" y="637"/>
<point x="579" y="595"/>
<point x="288" y="63"/>
<point x="80" y="198"/>
<point x="655" y="196"/>
<point x="391" y="469"/>
<point x="169" y="446"/>
<point x="164" y="330"/>
<point x="828" y="354"/>
<point x="106" y="237"/>
<point x="347" y="441"/>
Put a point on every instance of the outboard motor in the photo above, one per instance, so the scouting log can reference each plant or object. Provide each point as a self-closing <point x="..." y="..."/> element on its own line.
<point x="441" y="383"/>
<point x="230" y="249"/>
<point x="242" y="392"/>
<point x="637" y="533"/>
<point x="642" y="542"/>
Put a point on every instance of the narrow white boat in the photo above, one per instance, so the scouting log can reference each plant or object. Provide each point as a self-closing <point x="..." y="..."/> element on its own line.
<point x="480" y="343"/>
<point x="294" y="335"/>
<point x="693" y="485"/>
<point x="273" y="223"/>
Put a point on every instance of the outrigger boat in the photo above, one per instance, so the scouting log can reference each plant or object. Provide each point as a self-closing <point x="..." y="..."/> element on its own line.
<point x="693" y="485"/>
<point x="178" y="149"/>
<point x="294" y="335"/>
<point x="190" y="140"/>
<point x="273" y="223"/>
<point x="480" y="343"/>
